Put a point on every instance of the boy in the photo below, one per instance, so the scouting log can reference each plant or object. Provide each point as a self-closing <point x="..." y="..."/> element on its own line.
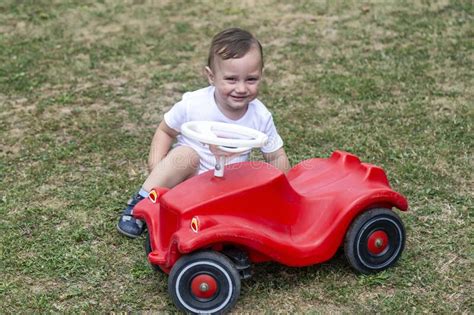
<point x="234" y="72"/>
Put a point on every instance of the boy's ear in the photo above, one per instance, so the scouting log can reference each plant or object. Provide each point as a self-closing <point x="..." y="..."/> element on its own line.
<point x="210" y="75"/>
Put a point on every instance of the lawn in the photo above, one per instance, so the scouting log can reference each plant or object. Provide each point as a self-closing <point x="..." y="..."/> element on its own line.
<point x="83" y="85"/>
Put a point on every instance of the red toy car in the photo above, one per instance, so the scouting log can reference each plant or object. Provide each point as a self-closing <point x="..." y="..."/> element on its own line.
<point x="207" y="231"/>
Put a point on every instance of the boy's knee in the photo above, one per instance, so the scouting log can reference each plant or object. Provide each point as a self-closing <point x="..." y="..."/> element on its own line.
<point x="185" y="158"/>
<point x="193" y="158"/>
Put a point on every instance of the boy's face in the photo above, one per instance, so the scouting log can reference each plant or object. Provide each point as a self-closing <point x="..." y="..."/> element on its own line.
<point x="237" y="81"/>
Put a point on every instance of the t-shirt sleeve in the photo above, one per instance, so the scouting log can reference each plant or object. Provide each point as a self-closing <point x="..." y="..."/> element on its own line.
<point x="274" y="140"/>
<point x="177" y="115"/>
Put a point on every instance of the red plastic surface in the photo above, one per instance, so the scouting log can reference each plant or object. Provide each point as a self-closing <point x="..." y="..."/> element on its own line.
<point x="377" y="242"/>
<point x="297" y="220"/>
<point x="204" y="286"/>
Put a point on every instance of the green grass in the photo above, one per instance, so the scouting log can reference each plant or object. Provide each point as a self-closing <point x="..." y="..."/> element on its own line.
<point x="83" y="85"/>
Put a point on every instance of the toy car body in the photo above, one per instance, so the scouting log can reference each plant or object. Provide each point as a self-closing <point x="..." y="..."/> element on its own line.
<point x="256" y="213"/>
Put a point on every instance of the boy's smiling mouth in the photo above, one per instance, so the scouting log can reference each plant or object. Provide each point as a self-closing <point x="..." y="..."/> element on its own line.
<point x="238" y="98"/>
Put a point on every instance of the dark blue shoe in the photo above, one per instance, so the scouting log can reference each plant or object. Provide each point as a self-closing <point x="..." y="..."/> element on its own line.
<point x="127" y="224"/>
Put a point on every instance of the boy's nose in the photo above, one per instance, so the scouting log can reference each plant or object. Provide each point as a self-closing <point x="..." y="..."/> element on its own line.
<point x="240" y="88"/>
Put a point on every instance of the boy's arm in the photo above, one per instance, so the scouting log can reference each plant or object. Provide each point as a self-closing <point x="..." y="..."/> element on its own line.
<point x="278" y="159"/>
<point x="161" y="143"/>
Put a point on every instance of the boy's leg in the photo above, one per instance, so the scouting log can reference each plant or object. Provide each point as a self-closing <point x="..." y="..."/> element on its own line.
<point x="179" y="164"/>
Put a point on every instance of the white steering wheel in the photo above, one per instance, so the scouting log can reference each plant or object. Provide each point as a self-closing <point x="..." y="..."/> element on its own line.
<point x="229" y="138"/>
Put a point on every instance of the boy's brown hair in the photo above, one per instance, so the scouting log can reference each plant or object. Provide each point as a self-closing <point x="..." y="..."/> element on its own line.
<point x="232" y="43"/>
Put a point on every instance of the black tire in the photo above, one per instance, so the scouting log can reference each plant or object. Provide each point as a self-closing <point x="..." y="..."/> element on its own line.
<point x="204" y="282"/>
<point x="374" y="241"/>
<point x="148" y="250"/>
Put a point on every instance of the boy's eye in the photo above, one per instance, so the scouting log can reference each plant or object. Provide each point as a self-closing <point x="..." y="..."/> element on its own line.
<point x="252" y="80"/>
<point x="230" y="79"/>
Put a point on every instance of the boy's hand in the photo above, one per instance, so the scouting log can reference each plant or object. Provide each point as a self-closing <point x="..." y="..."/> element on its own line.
<point x="278" y="159"/>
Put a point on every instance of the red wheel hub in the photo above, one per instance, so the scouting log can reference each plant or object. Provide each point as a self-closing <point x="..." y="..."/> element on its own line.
<point x="204" y="286"/>
<point x="377" y="242"/>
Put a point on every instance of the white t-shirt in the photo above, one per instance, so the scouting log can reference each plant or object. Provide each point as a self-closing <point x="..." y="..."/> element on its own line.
<point x="201" y="105"/>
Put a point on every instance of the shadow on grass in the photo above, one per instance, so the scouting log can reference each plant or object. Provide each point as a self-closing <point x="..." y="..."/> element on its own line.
<point x="279" y="277"/>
